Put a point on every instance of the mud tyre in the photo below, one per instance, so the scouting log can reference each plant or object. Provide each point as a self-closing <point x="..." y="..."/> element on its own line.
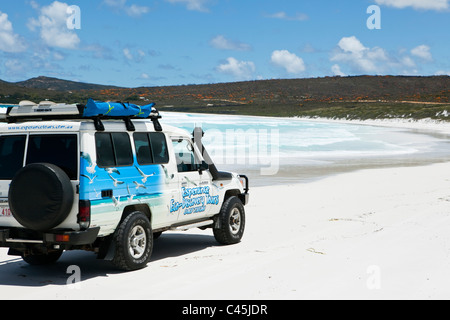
<point x="230" y="226"/>
<point x="133" y="242"/>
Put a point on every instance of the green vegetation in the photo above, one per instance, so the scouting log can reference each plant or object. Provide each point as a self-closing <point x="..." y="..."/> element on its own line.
<point x="362" y="97"/>
<point x="364" y="111"/>
<point x="338" y="110"/>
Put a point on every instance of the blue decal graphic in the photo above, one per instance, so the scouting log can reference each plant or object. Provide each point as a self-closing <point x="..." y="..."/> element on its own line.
<point x="194" y="200"/>
<point x="110" y="188"/>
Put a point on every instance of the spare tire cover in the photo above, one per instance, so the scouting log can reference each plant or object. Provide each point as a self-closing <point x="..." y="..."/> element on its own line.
<point x="40" y="196"/>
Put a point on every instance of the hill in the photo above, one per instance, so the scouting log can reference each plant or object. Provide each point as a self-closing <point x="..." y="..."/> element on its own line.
<point x="42" y="88"/>
<point x="55" y="84"/>
<point x="359" y="97"/>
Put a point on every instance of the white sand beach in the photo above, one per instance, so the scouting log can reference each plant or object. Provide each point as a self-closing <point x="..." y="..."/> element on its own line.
<point x="428" y="124"/>
<point x="369" y="234"/>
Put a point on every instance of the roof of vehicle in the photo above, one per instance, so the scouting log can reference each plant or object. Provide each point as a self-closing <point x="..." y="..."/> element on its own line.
<point x="85" y="125"/>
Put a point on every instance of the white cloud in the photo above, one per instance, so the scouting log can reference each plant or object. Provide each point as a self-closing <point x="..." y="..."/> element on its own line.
<point x="9" y="41"/>
<point x="352" y="44"/>
<point x="58" y="56"/>
<point x="289" y="61"/>
<point x="14" y="67"/>
<point x="222" y="43"/>
<point x="362" y="59"/>
<point x="422" y="52"/>
<point x="52" y="23"/>
<point x="44" y="58"/>
<point x="127" y="54"/>
<point x="137" y="56"/>
<point x="99" y="52"/>
<point x="284" y="16"/>
<point x="308" y="48"/>
<point x="336" y="69"/>
<point x="34" y="4"/>
<point x="136" y="11"/>
<point x="416" y="4"/>
<point x="141" y="54"/>
<point x="193" y="5"/>
<point x="115" y="3"/>
<point x="353" y="55"/>
<point x="131" y="10"/>
<point x="407" y="62"/>
<point x="442" y="73"/>
<point x="241" y="70"/>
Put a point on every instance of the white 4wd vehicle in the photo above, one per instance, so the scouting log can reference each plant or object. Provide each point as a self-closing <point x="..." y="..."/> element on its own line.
<point x="71" y="179"/>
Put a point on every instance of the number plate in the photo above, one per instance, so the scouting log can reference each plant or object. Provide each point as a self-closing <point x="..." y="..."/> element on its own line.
<point x="5" y="212"/>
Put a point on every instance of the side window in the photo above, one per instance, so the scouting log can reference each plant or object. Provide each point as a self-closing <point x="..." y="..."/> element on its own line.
<point x="122" y="149"/>
<point x="151" y="148"/>
<point x="143" y="151"/>
<point x="184" y="153"/>
<point x="12" y="149"/>
<point x="105" y="150"/>
<point x="159" y="148"/>
<point x="113" y="149"/>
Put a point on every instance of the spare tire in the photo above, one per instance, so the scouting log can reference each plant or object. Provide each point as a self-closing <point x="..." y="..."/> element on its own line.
<point x="40" y="196"/>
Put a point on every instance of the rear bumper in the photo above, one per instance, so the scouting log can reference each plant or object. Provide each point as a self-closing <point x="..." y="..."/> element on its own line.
<point x="9" y="238"/>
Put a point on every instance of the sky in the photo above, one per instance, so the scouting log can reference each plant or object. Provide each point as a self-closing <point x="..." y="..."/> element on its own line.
<point x="133" y="43"/>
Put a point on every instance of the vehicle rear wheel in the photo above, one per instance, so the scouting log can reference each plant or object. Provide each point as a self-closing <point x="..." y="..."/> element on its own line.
<point x="231" y="222"/>
<point x="133" y="242"/>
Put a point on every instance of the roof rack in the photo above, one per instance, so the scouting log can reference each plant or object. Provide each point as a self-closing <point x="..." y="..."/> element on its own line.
<point x="48" y="110"/>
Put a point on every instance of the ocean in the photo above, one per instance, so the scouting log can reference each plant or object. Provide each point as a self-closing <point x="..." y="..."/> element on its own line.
<point x="288" y="150"/>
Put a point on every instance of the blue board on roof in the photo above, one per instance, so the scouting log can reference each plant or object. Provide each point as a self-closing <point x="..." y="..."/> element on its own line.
<point x="116" y="109"/>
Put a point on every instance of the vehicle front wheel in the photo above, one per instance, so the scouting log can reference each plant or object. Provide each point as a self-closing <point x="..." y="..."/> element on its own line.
<point x="133" y="242"/>
<point x="231" y="222"/>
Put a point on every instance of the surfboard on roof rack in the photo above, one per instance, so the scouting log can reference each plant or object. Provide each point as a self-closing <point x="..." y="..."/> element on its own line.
<point x="98" y="110"/>
<point x="116" y="109"/>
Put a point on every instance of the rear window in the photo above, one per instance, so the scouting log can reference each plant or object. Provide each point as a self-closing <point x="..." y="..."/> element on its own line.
<point x="60" y="150"/>
<point x="12" y="150"/>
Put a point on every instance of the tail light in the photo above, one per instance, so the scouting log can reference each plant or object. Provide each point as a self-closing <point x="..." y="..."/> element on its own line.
<point x="84" y="214"/>
<point x="62" y="238"/>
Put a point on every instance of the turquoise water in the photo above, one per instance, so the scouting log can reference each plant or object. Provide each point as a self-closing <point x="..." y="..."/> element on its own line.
<point x="285" y="150"/>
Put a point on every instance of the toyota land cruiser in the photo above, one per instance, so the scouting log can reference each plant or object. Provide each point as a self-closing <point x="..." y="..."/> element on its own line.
<point x="77" y="177"/>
